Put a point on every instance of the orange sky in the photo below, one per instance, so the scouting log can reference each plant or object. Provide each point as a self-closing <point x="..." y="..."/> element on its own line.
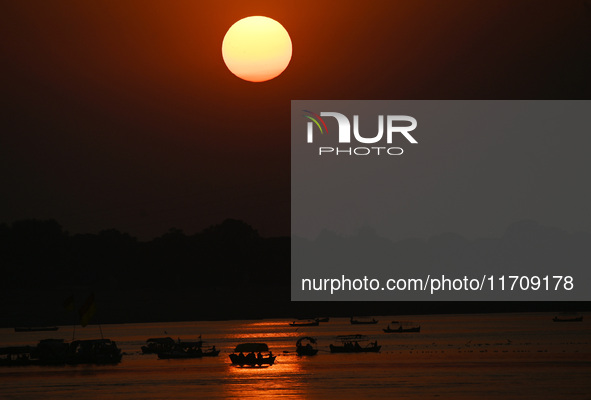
<point x="123" y="114"/>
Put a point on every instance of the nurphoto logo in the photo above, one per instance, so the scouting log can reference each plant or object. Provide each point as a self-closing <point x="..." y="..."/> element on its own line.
<point x="394" y="125"/>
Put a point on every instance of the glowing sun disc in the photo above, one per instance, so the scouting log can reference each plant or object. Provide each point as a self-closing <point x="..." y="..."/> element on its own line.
<point x="256" y="49"/>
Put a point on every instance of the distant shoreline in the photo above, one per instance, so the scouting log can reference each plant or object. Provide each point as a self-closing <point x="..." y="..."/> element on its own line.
<point x="286" y="310"/>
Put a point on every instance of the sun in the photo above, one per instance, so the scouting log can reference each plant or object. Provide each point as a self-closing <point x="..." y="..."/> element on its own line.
<point x="256" y="49"/>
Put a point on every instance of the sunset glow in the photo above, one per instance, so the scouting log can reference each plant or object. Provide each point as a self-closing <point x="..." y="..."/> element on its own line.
<point x="257" y="49"/>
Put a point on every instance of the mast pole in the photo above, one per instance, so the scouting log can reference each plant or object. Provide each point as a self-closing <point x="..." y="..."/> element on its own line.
<point x="74" y="325"/>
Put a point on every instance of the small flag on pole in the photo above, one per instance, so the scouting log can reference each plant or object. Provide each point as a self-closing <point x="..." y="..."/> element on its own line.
<point x="69" y="303"/>
<point x="87" y="310"/>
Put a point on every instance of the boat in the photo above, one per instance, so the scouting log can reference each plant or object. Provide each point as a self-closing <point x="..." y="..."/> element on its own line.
<point x="305" y="323"/>
<point x="36" y="328"/>
<point x="210" y="353"/>
<point x="350" y="344"/>
<point x="363" y="321"/>
<point x="568" y="317"/>
<point x="59" y="352"/>
<point x="47" y="352"/>
<point x="324" y="319"/>
<point x="189" y="353"/>
<point x="254" y="357"/>
<point x="188" y="350"/>
<point x="307" y="349"/>
<point x="400" y="329"/>
<point x="17" y="355"/>
<point x="94" y="351"/>
<point x="158" y="345"/>
<point x="52" y="352"/>
<point x="403" y="327"/>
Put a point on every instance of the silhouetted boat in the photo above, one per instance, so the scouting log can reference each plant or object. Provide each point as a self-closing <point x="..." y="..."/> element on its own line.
<point x="189" y="353"/>
<point x="305" y="323"/>
<point x="363" y="321"/>
<point x="254" y="356"/>
<point x="58" y="352"/>
<point x="96" y="351"/>
<point x="308" y="348"/>
<point x="350" y="344"/>
<point x="568" y="317"/>
<point x="403" y="327"/>
<point x="17" y="355"/>
<point x="52" y="351"/>
<point x="158" y="345"/>
<point x="325" y="319"/>
<point x="188" y="350"/>
<point x="35" y="328"/>
<point x="210" y="353"/>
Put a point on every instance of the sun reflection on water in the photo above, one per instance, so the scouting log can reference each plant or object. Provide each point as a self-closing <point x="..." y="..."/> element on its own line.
<point x="242" y="335"/>
<point x="285" y="378"/>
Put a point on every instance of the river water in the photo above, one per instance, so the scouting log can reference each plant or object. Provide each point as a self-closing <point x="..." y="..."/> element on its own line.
<point x="492" y="356"/>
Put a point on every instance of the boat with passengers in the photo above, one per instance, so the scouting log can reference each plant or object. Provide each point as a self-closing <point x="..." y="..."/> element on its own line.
<point x="402" y="327"/>
<point x="306" y="346"/>
<point x="254" y="355"/>
<point x="188" y="350"/>
<point x="355" y="344"/>
<point x="158" y="345"/>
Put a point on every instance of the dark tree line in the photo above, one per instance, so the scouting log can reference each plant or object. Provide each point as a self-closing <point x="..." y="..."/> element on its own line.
<point x="41" y="255"/>
<point x="227" y="271"/>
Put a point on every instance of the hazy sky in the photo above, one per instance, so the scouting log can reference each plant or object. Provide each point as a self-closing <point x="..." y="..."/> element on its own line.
<point x="123" y="114"/>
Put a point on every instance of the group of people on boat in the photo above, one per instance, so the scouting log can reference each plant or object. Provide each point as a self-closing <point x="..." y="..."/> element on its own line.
<point x="179" y="349"/>
<point x="350" y="344"/>
<point x="251" y="358"/>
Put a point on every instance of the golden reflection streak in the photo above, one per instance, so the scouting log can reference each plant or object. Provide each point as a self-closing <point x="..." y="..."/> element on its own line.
<point x="284" y="378"/>
<point x="264" y="335"/>
<point x="268" y="323"/>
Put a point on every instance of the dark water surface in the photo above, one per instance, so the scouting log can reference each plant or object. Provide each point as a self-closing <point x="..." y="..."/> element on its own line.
<point x="508" y="356"/>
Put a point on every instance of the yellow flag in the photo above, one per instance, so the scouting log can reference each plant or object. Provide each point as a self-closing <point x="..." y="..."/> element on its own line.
<point x="87" y="310"/>
<point x="69" y="303"/>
